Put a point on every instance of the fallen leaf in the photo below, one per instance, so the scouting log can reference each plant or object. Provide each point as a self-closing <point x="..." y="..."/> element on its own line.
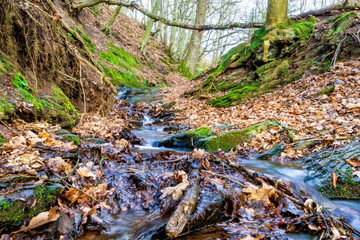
<point x="262" y="194"/>
<point x="175" y="192"/>
<point x="312" y="227"/>
<point x="354" y="162"/>
<point x="198" y="153"/>
<point x="334" y="179"/>
<point x="58" y="164"/>
<point x="72" y="195"/>
<point x="357" y="173"/>
<point x="40" y="219"/>
<point x="85" y="172"/>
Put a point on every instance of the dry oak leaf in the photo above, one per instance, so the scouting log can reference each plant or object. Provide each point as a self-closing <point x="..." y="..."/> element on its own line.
<point x="261" y="194"/>
<point x="354" y="162"/>
<point x="40" y="219"/>
<point x="198" y="153"/>
<point x="175" y="192"/>
<point x="72" y="195"/>
<point x="85" y="172"/>
<point x="58" y="164"/>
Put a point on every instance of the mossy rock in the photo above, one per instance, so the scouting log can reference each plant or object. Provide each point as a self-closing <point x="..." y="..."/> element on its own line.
<point x="67" y="136"/>
<point x="230" y="140"/>
<point x="187" y="139"/>
<point x="346" y="187"/>
<point x="25" y="204"/>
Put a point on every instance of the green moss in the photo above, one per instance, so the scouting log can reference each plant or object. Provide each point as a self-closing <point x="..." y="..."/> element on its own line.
<point x="233" y="97"/>
<point x="188" y="139"/>
<point x="122" y="78"/>
<point x="323" y="67"/>
<point x="6" y="109"/>
<point x="312" y="20"/>
<point x="86" y="40"/>
<point x="236" y="54"/>
<point x="201" y="132"/>
<point x="121" y="58"/>
<point x="55" y="106"/>
<point x="327" y="91"/>
<point x="303" y="29"/>
<point x="2" y="139"/>
<point x="230" y="140"/>
<point x="27" y="92"/>
<point x="344" y="21"/>
<point x="13" y="212"/>
<point x="183" y="71"/>
<point x="69" y="137"/>
<point x="4" y="65"/>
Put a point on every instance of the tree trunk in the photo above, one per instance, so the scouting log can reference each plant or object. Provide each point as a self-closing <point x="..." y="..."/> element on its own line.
<point x="149" y="26"/>
<point x="107" y="27"/>
<point x="192" y="57"/>
<point x="276" y="13"/>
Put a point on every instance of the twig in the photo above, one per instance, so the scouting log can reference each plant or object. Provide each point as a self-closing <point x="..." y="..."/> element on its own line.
<point x="224" y="176"/>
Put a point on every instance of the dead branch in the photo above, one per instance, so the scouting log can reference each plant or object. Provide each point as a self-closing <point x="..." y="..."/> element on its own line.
<point x="327" y="10"/>
<point x="80" y="4"/>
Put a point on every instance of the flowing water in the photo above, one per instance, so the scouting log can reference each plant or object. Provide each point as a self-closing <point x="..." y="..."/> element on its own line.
<point x="123" y="228"/>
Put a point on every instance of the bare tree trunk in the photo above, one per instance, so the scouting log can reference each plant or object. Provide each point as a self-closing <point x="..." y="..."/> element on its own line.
<point x="276" y="13"/>
<point x="149" y="26"/>
<point x="107" y="27"/>
<point x="192" y="57"/>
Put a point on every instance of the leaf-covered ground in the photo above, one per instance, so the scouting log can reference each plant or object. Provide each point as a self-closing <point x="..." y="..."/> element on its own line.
<point x="325" y="106"/>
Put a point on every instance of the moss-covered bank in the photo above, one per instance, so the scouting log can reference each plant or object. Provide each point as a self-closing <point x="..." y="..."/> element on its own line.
<point x="54" y="107"/>
<point x="278" y="56"/>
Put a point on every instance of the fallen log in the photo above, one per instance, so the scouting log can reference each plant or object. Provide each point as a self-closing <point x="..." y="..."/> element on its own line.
<point x="187" y="205"/>
<point x="183" y="212"/>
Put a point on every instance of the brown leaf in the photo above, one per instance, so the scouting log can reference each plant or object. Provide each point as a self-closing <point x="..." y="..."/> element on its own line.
<point x="175" y="192"/>
<point x="354" y="162"/>
<point x="41" y="219"/>
<point x="334" y="179"/>
<point x="312" y="227"/>
<point x="198" y="153"/>
<point x="85" y="172"/>
<point x="72" y="195"/>
<point x="262" y="194"/>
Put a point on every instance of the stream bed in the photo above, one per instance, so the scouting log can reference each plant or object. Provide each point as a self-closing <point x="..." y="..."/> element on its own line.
<point x="125" y="225"/>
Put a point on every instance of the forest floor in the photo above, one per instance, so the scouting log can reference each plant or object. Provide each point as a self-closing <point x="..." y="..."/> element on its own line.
<point x="57" y="183"/>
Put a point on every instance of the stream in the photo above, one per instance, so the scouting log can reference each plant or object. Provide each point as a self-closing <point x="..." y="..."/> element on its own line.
<point x="123" y="227"/>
